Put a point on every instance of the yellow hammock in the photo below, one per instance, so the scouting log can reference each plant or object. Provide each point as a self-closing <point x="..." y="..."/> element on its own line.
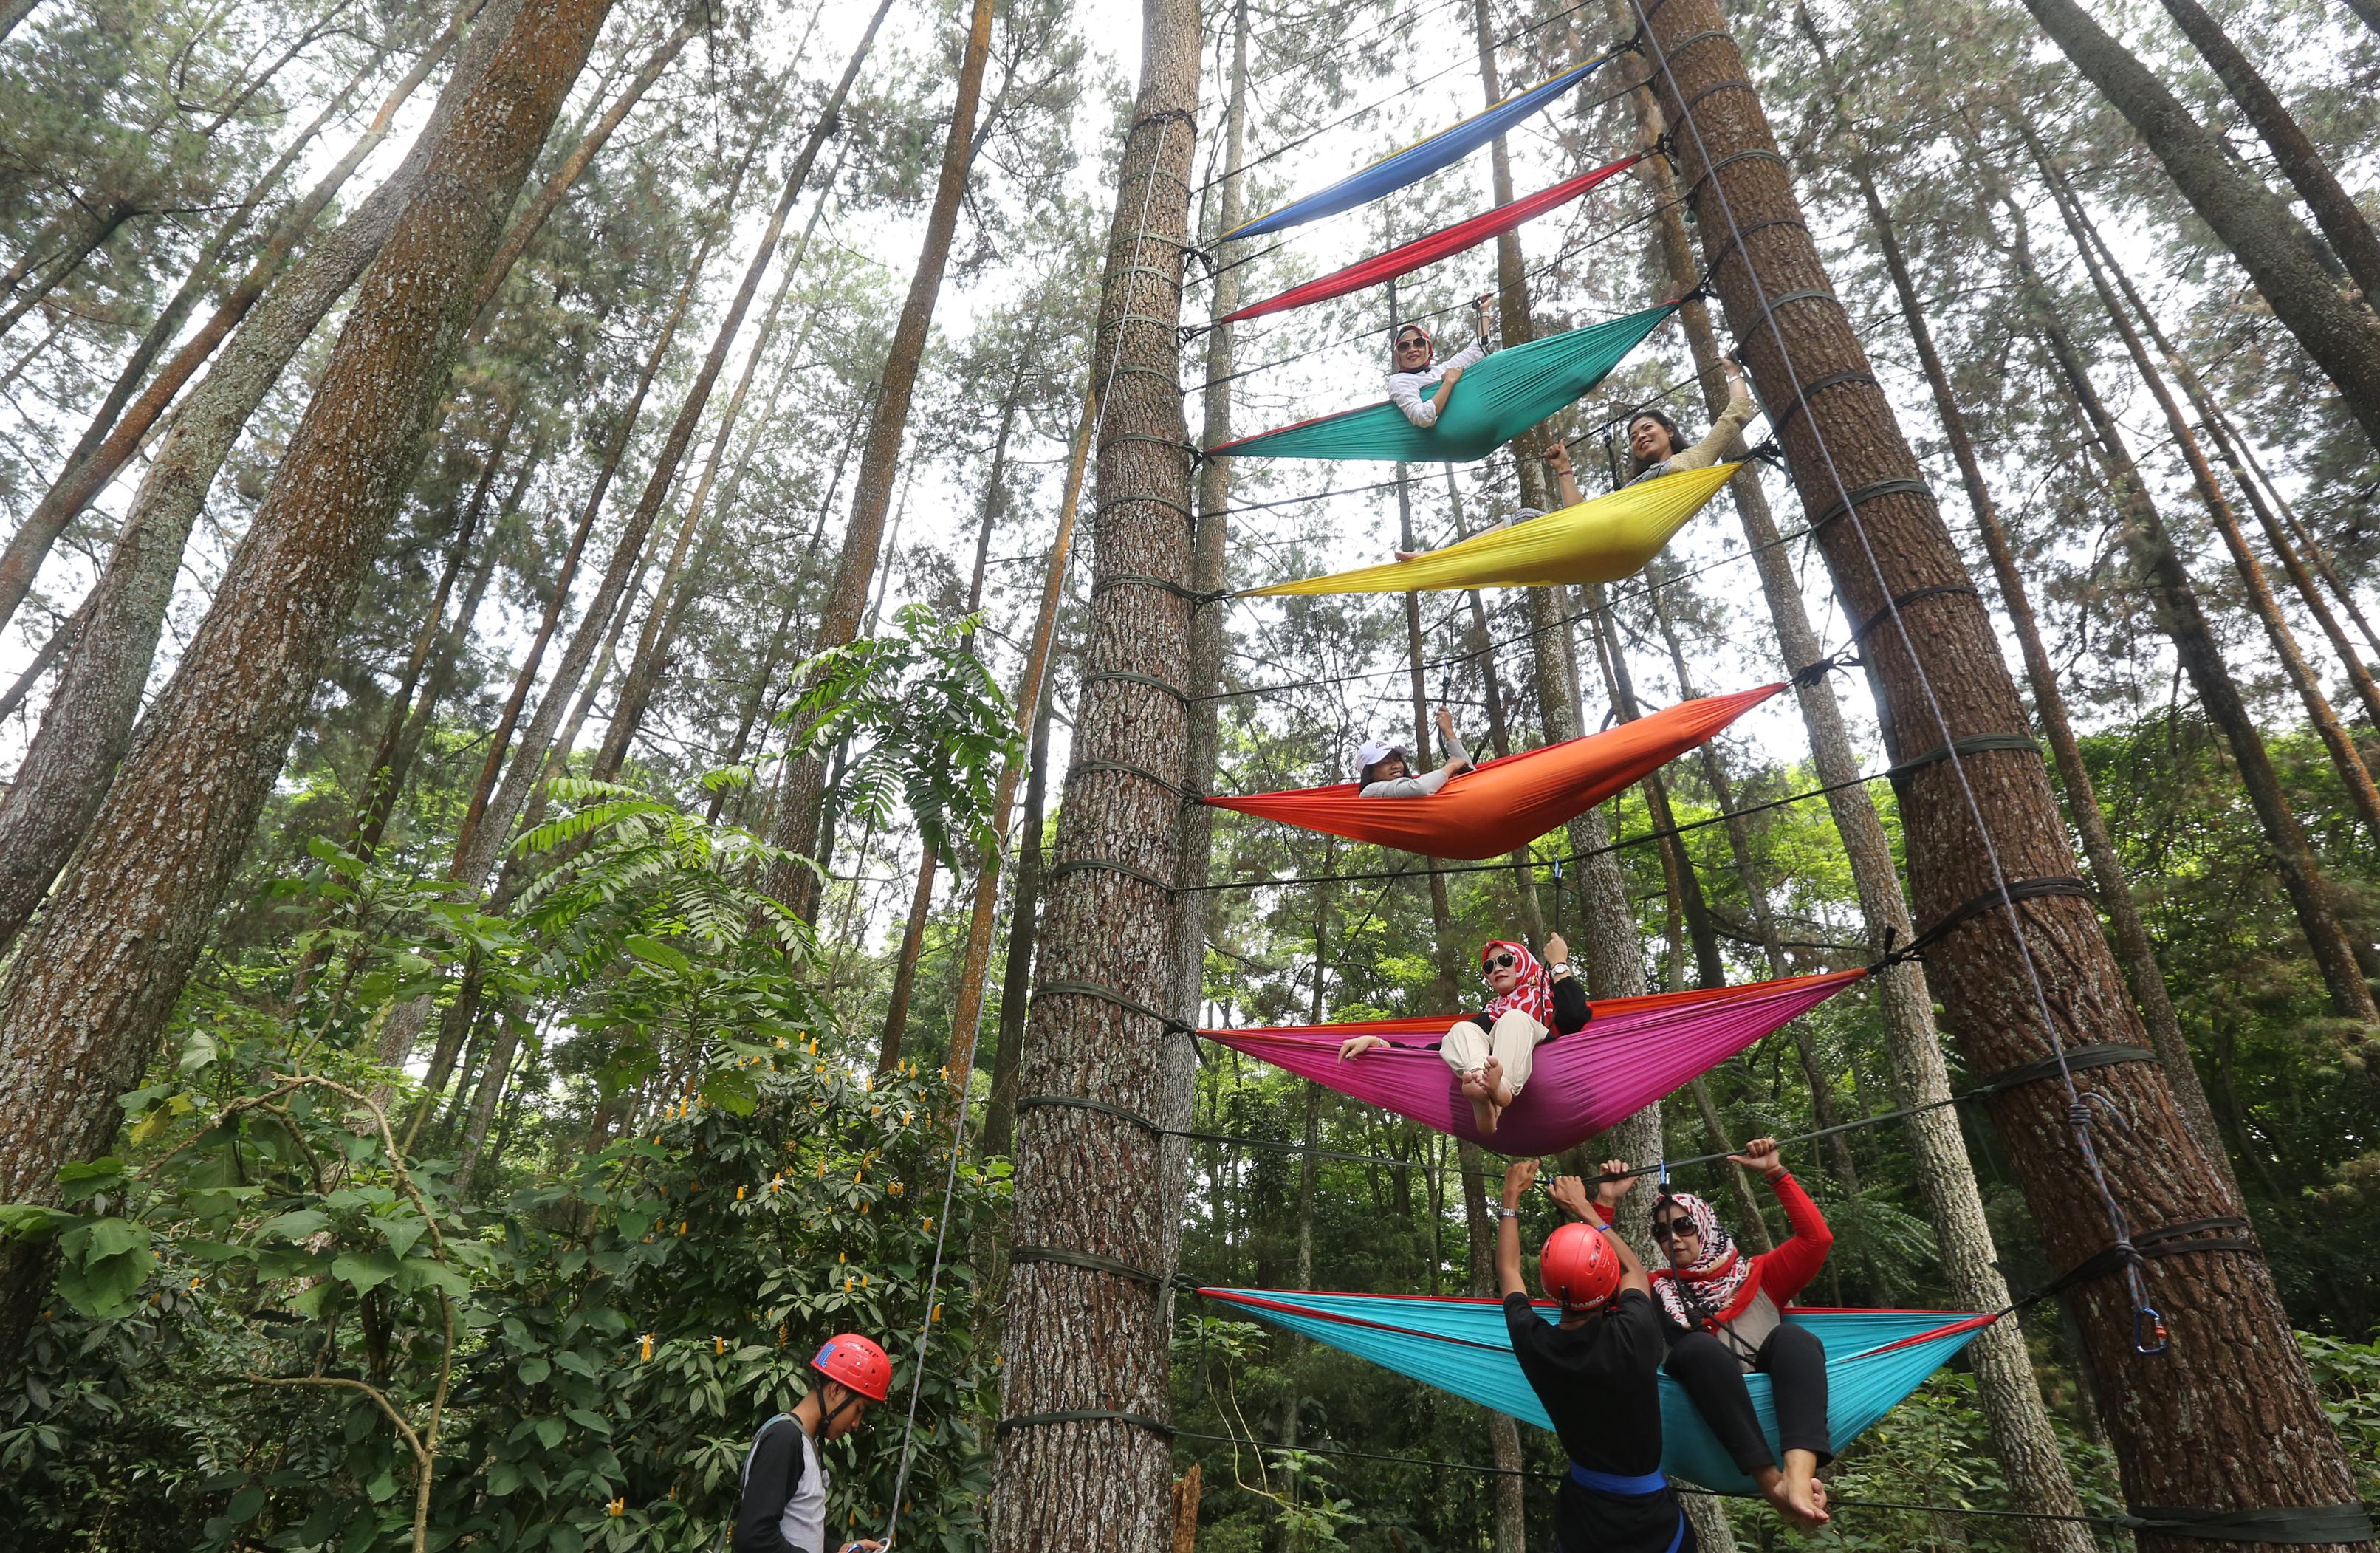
<point x="1602" y="540"/>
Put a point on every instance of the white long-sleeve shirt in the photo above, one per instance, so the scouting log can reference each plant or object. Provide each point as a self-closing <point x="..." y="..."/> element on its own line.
<point x="1426" y="783"/>
<point x="1404" y="388"/>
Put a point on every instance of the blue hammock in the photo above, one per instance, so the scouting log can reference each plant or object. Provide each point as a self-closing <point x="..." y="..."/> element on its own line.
<point x="1420" y="159"/>
<point x="1874" y="1359"/>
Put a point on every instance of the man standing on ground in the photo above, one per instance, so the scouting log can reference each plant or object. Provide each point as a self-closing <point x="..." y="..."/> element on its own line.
<point x="783" y="1506"/>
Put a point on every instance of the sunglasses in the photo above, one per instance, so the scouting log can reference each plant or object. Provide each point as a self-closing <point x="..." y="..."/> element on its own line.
<point x="1410" y="341"/>
<point x="1502" y="962"/>
<point x="1670" y="1229"/>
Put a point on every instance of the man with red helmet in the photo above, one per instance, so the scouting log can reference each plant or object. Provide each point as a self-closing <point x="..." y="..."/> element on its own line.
<point x="783" y="1506"/>
<point x="1597" y="1374"/>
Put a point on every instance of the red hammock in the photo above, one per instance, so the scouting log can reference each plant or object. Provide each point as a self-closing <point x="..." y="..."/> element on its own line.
<point x="1408" y="256"/>
<point x="1508" y="802"/>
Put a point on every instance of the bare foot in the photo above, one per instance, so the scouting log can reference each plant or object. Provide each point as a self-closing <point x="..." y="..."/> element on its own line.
<point x="1804" y="1504"/>
<point x="1805" y="1494"/>
<point x="1411" y="554"/>
<point x="1483" y="1115"/>
<point x="1491" y="1076"/>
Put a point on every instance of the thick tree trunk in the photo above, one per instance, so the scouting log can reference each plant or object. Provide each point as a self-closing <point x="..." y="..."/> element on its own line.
<point x="1090" y="1184"/>
<point x="879" y="461"/>
<point x="2142" y="973"/>
<point x="2334" y="208"/>
<point x="2279" y="254"/>
<point x="2013" y="1409"/>
<point x="14" y="11"/>
<point x="2167" y="1415"/>
<point x="2257" y="587"/>
<point x="89" y="720"/>
<point x="2158" y="562"/>
<point x="85" y="1002"/>
<point x="83" y="478"/>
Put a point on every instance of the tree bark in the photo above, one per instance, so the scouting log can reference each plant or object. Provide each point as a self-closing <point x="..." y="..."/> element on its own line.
<point x="879" y="461"/>
<point x="1092" y="1338"/>
<point x="89" y="720"/>
<point x="2158" y="562"/>
<point x="85" y="1002"/>
<point x="14" y="11"/>
<point x="2335" y="211"/>
<point x="83" y="478"/>
<point x="2279" y="254"/>
<point x="2232" y="1343"/>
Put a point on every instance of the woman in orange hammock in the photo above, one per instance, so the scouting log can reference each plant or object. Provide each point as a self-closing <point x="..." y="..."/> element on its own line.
<point x="1383" y="771"/>
<point x="1493" y="1051"/>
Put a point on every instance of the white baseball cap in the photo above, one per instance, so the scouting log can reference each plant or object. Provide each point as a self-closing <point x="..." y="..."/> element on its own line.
<point x="1371" y="753"/>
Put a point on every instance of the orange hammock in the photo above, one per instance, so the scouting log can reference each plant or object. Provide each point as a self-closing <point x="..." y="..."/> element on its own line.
<point x="1508" y="802"/>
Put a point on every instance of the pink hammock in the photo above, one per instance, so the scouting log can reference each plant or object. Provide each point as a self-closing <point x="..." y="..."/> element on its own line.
<point x="1634" y="1051"/>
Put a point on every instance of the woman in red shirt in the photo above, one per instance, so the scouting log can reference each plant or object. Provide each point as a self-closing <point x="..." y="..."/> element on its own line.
<point x="1724" y="1315"/>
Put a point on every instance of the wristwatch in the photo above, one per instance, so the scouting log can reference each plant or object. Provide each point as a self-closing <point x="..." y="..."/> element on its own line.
<point x="1500" y="1211"/>
<point x="1561" y="968"/>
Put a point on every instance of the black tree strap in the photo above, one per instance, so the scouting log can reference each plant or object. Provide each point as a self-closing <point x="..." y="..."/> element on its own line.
<point x="1087" y="1261"/>
<point x="2099" y="1054"/>
<point x="1134" y="579"/>
<point x="1128" y="498"/>
<point x="1101" y="864"/>
<point x="1735" y="239"/>
<point x="1807" y="293"/>
<point x="1092" y="989"/>
<point x="1127" y="768"/>
<point x="1902" y="600"/>
<point x="1076" y="1102"/>
<point x="1869" y="493"/>
<point x="1815" y="385"/>
<point x="1811" y="674"/>
<point x="1731" y="84"/>
<point x="2164" y="1240"/>
<point x="1146" y="681"/>
<point x="1754" y="154"/>
<point x="1082" y="1415"/>
<point x="1179" y="443"/>
<point x="1973" y="743"/>
<point x="1990" y="900"/>
<point x="2289" y="1524"/>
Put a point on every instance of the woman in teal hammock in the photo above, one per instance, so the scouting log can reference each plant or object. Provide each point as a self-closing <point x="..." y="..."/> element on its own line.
<point x="1414" y="368"/>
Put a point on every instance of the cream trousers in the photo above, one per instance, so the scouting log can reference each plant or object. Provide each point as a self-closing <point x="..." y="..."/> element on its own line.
<point x="1513" y="1043"/>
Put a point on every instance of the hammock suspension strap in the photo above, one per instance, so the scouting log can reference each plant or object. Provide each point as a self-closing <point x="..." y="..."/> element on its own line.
<point x="1973" y="743"/>
<point x="1815" y="385"/>
<point x="1148" y="682"/>
<point x="1735" y="240"/>
<point x="1869" y="492"/>
<point x="1087" y="1261"/>
<point x="1991" y="899"/>
<point x="1084" y="1416"/>
<point x="2287" y="1523"/>
<point x="2129" y="1252"/>
<point x="1106" y="995"/>
<point x="1807" y="293"/>
<point x="1901" y="601"/>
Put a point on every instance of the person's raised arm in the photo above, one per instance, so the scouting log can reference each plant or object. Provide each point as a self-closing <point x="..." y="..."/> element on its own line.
<point x="1517" y="1178"/>
<point x="1727" y="430"/>
<point x="1789" y="1267"/>
<point x="1565" y="479"/>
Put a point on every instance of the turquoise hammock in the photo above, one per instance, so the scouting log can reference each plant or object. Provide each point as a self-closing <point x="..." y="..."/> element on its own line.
<point x="1874" y="1358"/>
<point x="1498" y="399"/>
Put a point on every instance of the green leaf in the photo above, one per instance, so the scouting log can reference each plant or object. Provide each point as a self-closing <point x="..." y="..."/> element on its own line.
<point x="80" y="1182"/>
<point x="294" y="1225"/>
<point x="659" y="953"/>
<point x="503" y="1479"/>
<point x="245" y="1505"/>
<point x="365" y="1270"/>
<point x="534" y="1369"/>
<point x="731" y="1091"/>
<point x="102" y="1264"/>
<point x="24" y="1222"/>
<point x="586" y="1420"/>
<point x="401" y="1230"/>
<point x="199" y="1049"/>
<point x="550" y="1432"/>
<point x="417" y="1273"/>
<point x="575" y="1362"/>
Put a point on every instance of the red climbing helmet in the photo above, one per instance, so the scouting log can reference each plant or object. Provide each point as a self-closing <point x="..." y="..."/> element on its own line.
<point x="1579" y="1267"/>
<point x="857" y="1363"/>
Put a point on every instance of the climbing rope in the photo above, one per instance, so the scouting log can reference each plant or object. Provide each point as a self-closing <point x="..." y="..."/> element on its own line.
<point x="2149" y="1323"/>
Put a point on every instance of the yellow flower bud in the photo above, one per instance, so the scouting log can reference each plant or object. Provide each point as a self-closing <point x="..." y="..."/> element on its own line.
<point x="739" y="1194"/>
<point x="618" y="1506"/>
<point x="718" y="1345"/>
<point x="647" y="1352"/>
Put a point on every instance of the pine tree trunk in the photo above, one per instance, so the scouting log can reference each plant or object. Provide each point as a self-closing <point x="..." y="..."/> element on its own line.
<point x="2167" y="1415"/>
<point x="2142" y="973"/>
<point x="2218" y="427"/>
<point x="83" y="478"/>
<point x="2154" y="557"/>
<point x="86" y="1000"/>
<point x="1092" y="1339"/>
<point x="1016" y="968"/>
<point x="880" y="460"/>
<point x="2293" y="151"/>
<point x="1478" y="648"/>
<point x="89" y="720"/>
<point x="14" y="11"/>
<point x="2257" y="587"/>
<point x="2013" y="1409"/>
<point x="2279" y="254"/>
<point x="90" y="240"/>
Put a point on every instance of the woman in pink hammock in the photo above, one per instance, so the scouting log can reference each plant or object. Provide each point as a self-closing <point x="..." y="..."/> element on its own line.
<point x="1492" y="1052"/>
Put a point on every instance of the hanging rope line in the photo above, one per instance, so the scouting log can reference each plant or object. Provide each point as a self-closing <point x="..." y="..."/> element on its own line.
<point x="2149" y="1337"/>
<point x="1125" y="318"/>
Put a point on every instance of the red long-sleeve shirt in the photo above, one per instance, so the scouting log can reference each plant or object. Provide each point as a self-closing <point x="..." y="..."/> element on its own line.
<point x="1787" y="1270"/>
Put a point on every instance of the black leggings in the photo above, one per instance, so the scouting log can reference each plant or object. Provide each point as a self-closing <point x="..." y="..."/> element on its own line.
<point x="1795" y="1363"/>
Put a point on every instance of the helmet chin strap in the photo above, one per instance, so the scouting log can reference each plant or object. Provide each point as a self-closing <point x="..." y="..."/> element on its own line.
<point x="827" y="1416"/>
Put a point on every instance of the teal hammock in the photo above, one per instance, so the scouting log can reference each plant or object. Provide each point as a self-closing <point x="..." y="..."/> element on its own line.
<point x="1497" y="400"/>
<point x="1874" y="1358"/>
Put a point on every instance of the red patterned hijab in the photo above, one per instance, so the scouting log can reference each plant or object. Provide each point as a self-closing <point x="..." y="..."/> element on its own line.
<point x="1691" y="1296"/>
<point x="1534" y="996"/>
